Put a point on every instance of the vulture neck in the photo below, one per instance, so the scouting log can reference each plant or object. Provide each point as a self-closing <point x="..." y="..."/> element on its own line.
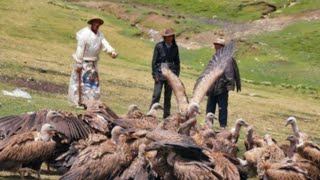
<point x="115" y="138"/>
<point x="291" y="149"/>
<point x="152" y="112"/>
<point x="250" y="136"/>
<point x="295" y="129"/>
<point x="236" y="130"/>
<point x="209" y="123"/>
<point x="170" y="158"/>
<point x="43" y="136"/>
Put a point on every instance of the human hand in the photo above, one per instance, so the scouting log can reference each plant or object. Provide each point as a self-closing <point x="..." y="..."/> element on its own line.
<point x="156" y="78"/>
<point x="78" y="69"/>
<point x="113" y="54"/>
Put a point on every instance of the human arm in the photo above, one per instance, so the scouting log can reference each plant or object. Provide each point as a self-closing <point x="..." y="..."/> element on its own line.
<point x="154" y="64"/>
<point x="108" y="48"/>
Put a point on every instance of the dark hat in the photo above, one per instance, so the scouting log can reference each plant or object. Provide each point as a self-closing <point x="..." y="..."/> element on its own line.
<point x="96" y="19"/>
<point x="168" y="32"/>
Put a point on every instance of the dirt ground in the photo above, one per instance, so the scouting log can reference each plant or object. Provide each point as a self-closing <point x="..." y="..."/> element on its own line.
<point x="34" y="84"/>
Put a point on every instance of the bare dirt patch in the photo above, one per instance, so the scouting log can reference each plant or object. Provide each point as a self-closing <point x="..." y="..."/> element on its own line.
<point x="33" y="84"/>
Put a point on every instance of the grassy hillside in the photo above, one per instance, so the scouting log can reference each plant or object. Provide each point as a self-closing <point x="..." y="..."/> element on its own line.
<point x="37" y="39"/>
<point x="286" y="57"/>
<point x="236" y="10"/>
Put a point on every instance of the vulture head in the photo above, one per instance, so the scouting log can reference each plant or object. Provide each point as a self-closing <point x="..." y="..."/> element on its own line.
<point x="132" y="108"/>
<point x="250" y="130"/>
<point x="116" y="132"/>
<point x="193" y="109"/>
<point x="291" y="120"/>
<point x="153" y="110"/>
<point x="156" y="106"/>
<point x="268" y="139"/>
<point x="210" y="119"/>
<point x="241" y="122"/>
<point x="292" y="139"/>
<point x="51" y="115"/>
<point x="47" y="132"/>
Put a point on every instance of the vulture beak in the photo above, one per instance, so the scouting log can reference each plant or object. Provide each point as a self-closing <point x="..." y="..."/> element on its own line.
<point x="287" y="124"/>
<point x="245" y="124"/>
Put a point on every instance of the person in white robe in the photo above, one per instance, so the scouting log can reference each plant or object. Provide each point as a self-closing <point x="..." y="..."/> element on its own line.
<point x="84" y="82"/>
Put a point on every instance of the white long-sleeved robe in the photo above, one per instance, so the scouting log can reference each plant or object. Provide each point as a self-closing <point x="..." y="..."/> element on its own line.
<point x="87" y="56"/>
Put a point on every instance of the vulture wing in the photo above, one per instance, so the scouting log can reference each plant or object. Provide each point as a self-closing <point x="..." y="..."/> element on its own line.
<point x="213" y="71"/>
<point x="24" y="148"/>
<point x="177" y="87"/>
<point x="66" y="124"/>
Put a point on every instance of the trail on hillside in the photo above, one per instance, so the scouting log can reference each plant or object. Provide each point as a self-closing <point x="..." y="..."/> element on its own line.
<point x="227" y="29"/>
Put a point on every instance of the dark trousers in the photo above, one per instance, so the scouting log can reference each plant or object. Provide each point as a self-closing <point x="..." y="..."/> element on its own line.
<point x="167" y="96"/>
<point x="222" y="101"/>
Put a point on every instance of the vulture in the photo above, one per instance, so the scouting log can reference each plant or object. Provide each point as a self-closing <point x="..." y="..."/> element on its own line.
<point x="139" y="168"/>
<point x="98" y="107"/>
<point x="293" y="122"/>
<point x="224" y="166"/>
<point x="148" y="121"/>
<point x="69" y="128"/>
<point x="134" y="112"/>
<point x="23" y="148"/>
<point x="67" y="159"/>
<point x="284" y="171"/>
<point x="253" y="139"/>
<point x="178" y="156"/>
<point x="310" y="151"/>
<point x="301" y="162"/>
<point x="233" y="134"/>
<point x="271" y="153"/>
<point x="104" y="161"/>
<point x="177" y="160"/>
<point x="213" y="71"/>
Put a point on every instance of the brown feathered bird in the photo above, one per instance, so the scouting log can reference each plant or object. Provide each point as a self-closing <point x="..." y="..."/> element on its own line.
<point x="25" y="148"/>
<point x="293" y="122"/>
<point x="105" y="161"/>
<point x="181" y="160"/>
<point x="310" y="151"/>
<point x="301" y="162"/>
<point x="213" y="71"/>
<point x="69" y="128"/>
<point x="234" y="133"/>
<point x="253" y="139"/>
<point x="224" y="166"/>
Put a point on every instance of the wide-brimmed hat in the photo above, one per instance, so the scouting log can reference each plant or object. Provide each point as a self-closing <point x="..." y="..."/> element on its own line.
<point x="96" y="19"/>
<point x="168" y="32"/>
<point x="219" y="41"/>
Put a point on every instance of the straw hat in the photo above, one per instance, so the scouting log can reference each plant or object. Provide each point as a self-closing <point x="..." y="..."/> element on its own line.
<point x="96" y="19"/>
<point x="219" y="41"/>
<point x="168" y="32"/>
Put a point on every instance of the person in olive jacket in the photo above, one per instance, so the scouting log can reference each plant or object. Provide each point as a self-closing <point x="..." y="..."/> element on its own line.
<point x="219" y="91"/>
<point x="167" y="52"/>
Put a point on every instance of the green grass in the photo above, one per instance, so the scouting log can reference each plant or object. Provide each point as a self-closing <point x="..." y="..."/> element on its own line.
<point x="228" y="9"/>
<point x="289" y="56"/>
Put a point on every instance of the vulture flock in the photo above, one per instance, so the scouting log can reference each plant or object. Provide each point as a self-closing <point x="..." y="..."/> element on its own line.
<point x="99" y="144"/>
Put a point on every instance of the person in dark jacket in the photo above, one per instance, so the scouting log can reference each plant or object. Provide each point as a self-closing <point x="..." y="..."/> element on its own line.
<point x="219" y="91"/>
<point x="167" y="52"/>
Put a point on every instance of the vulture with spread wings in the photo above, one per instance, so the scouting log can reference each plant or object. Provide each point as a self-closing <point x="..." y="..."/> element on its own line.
<point x="213" y="71"/>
